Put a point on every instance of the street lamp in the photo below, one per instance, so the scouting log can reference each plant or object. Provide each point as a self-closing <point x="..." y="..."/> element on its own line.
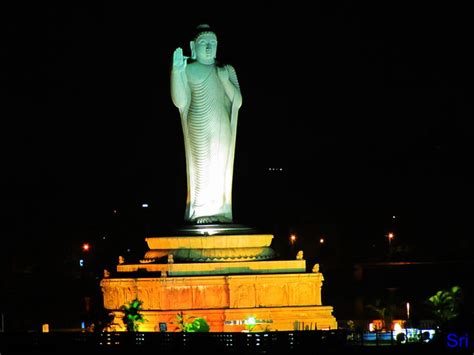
<point x="292" y="239"/>
<point x="292" y="243"/>
<point x="390" y="236"/>
<point x="86" y="246"/>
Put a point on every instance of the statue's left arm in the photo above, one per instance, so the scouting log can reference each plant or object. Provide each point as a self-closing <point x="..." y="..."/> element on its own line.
<point x="231" y="85"/>
<point x="229" y="80"/>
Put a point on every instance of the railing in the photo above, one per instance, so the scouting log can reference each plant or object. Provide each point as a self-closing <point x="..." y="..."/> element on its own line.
<point x="320" y="342"/>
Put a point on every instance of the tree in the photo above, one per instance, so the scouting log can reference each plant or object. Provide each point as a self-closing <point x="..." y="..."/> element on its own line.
<point x="131" y="315"/>
<point x="104" y="321"/>
<point x="382" y="312"/>
<point x="445" y="304"/>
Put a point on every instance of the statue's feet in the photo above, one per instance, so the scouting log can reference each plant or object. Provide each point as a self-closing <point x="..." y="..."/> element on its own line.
<point x="211" y="220"/>
<point x="204" y="220"/>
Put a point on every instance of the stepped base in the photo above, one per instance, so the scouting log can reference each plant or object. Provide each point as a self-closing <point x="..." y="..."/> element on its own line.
<point x="219" y="268"/>
<point x="225" y="301"/>
<point x="227" y="288"/>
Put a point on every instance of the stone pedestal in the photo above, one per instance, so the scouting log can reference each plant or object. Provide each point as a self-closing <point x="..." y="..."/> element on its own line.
<point x="279" y="294"/>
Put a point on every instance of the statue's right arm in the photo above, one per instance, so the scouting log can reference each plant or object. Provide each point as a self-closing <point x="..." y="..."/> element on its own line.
<point x="179" y="83"/>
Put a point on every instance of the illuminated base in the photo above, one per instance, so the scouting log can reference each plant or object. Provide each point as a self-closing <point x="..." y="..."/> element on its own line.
<point x="225" y="301"/>
<point x="227" y="282"/>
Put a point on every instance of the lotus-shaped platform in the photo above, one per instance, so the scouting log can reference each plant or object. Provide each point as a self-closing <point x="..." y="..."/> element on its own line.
<point x="211" y="248"/>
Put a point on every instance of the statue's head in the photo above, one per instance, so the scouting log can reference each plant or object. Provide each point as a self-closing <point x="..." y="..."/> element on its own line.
<point x="204" y="45"/>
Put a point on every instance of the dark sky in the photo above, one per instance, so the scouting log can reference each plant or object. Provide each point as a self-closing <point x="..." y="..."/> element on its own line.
<point x="367" y="107"/>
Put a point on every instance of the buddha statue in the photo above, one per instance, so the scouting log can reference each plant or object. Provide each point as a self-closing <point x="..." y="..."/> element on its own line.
<point x="208" y="98"/>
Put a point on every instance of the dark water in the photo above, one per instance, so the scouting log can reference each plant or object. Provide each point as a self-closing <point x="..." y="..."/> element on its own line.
<point x="351" y="289"/>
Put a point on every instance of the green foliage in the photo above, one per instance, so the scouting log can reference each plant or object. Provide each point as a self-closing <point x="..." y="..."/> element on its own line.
<point x="131" y="315"/>
<point x="350" y="324"/>
<point x="445" y="304"/>
<point x="190" y="324"/>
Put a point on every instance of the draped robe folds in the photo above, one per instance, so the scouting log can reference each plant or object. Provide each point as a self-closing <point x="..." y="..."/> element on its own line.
<point x="209" y="128"/>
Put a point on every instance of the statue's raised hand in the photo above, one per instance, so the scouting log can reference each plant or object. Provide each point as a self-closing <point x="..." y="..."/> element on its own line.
<point x="223" y="73"/>
<point x="179" y="60"/>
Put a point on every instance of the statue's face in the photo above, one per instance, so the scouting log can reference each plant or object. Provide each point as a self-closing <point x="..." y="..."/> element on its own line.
<point x="206" y="47"/>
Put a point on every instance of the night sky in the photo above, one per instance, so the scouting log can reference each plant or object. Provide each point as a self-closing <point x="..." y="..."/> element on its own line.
<point x="367" y="108"/>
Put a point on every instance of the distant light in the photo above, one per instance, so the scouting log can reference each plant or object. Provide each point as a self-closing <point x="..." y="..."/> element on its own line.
<point x="104" y="237"/>
<point x="394" y="217"/>
<point x="144" y="205"/>
<point x="390" y="235"/>
<point x="321" y="240"/>
<point x="86" y="246"/>
<point x="250" y="321"/>
<point x="83" y="325"/>
<point x="81" y="262"/>
<point x="115" y="211"/>
<point x="128" y="250"/>
<point x="371" y="327"/>
<point x="398" y="329"/>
